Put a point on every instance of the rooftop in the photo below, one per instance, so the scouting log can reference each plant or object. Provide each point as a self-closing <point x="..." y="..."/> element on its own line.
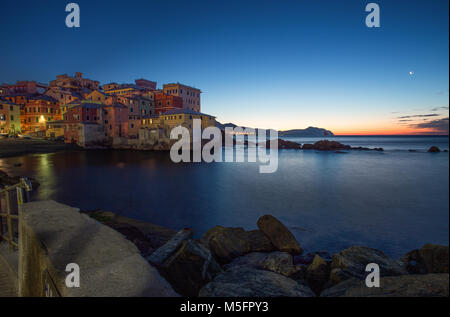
<point x="185" y="111"/>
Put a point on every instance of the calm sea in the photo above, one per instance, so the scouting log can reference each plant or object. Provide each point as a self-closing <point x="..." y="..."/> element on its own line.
<point x="394" y="200"/>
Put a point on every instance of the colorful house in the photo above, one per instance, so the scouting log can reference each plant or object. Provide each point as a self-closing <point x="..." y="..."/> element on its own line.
<point x="165" y="102"/>
<point x="161" y="126"/>
<point x="39" y="110"/>
<point x="84" y="124"/>
<point x="9" y="117"/>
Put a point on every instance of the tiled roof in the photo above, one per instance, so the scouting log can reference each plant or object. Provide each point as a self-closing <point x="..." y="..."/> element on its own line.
<point x="43" y="97"/>
<point x="185" y="111"/>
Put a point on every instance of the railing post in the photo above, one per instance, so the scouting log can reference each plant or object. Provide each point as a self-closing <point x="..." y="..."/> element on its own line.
<point x="8" y="220"/>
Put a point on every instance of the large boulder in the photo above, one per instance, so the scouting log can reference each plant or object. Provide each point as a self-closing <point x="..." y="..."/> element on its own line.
<point x="259" y="242"/>
<point x="249" y="282"/>
<point x="226" y="243"/>
<point x="158" y="257"/>
<point x="254" y="260"/>
<point x="309" y="257"/>
<point x="431" y="258"/>
<point x="352" y="262"/>
<point x="317" y="274"/>
<point x="429" y="285"/>
<point x="186" y="264"/>
<point x="278" y="262"/>
<point x="190" y="268"/>
<point x="413" y="262"/>
<point x="279" y="235"/>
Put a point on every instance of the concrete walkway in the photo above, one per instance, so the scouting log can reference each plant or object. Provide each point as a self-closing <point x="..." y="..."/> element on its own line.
<point x="8" y="272"/>
<point x="7" y="287"/>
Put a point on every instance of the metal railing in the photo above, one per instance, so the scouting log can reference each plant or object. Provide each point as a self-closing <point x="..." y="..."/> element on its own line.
<point x="14" y="196"/>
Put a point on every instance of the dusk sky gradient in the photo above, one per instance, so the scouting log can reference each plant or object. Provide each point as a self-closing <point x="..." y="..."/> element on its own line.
<point x="268" y="64"/>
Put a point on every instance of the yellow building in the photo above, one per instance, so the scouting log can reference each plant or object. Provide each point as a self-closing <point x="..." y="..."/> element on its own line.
<point x="162" y="125"/>
<point x="180" y="117"/>
<point x="9" y="117"/>
<point x="97" y="96"/>
<point x="190" y="95"/>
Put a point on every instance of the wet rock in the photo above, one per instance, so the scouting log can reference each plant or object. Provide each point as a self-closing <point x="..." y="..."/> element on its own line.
<point x="279" y="235"/>
<point x="283" y="145"/>
<point x="352" y="262"/>
<point x="309" y="257"/>
<point x="308" y="147"/>
<point x="431" y="258"/>
<point x="249" y="282"/>
<point x="226" y="243"/>
<point x="413" y="263"/>
<point x="299" y="273"/>
<point x="171" y="247"/>
<point x="326" y="145"/>
<point x="253" y="260"/>
<point x="428" y="285"/>
<point x="278" y="262"/>
<point x="317" y="274"/>
<point x="434" y="149"/>
<point x="435" y="258"/>
<point x="189" y="268"/>
<point x="146" y="236"/>
<point x="259" y="242"/>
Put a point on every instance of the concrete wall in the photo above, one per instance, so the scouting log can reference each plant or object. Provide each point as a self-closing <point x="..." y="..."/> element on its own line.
<point x="52" y="235"/>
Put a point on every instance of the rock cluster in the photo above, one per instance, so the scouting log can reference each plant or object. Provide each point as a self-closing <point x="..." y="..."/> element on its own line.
<point x="326" y="145"/>
<point x="233" y="262"/>
<point x="270" y="262"/>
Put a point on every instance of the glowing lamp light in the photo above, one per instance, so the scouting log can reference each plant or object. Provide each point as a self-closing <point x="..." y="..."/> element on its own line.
<point x="41" y="119"/>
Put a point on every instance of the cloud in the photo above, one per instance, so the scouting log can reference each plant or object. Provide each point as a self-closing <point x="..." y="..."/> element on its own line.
<point x="439" y="108"/>
<point x="439" y="125"/>
<point x="419" y="116"/>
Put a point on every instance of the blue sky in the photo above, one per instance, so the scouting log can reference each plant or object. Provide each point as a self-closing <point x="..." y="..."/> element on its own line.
<point x="278" y="64"/>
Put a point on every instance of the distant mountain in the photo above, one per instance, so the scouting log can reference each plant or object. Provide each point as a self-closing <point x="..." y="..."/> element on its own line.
<point x="309" y="132"/>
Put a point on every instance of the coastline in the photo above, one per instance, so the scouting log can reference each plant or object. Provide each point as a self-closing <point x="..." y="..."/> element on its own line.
<point x="11" y="147"/>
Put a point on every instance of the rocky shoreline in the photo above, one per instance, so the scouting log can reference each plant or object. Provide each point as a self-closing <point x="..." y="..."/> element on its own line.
<point x="270" y="262"/>
<point x="10" y="147"/>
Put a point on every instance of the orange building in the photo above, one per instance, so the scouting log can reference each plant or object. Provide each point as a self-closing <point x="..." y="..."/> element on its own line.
<point x="39" y="110"/>
<point x="165" y="102"/>
<point x="115" y="120"/>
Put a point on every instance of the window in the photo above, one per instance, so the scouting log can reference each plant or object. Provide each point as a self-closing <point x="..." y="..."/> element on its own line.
<point x="132" y="126"/>
<point x="37" y="119"/>
<point x="87" y="118"/>
<point x="12" y="118"/>
<point x="2" y="117"/>
<point x="11" y="108"/>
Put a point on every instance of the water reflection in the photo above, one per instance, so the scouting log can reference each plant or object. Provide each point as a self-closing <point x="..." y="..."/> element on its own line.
<point x="394" y="201"/>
